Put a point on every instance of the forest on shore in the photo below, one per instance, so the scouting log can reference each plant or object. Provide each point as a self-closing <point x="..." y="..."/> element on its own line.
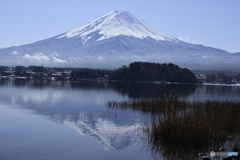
<point x="136" y="71"/>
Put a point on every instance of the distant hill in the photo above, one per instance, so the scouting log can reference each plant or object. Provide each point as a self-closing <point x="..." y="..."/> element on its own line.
<point x="216" y="72"/>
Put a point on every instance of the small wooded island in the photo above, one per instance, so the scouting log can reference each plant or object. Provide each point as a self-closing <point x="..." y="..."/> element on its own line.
<point x="145" y="71"/>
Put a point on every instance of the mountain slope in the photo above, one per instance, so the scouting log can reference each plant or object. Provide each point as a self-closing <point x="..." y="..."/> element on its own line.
<point x="114" y="24"/>
<point x="115" y="39"/>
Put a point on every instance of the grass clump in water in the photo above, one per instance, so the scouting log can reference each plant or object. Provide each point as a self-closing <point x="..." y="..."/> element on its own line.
<point x="187" y="124"/>
<point x="199" y="124"/>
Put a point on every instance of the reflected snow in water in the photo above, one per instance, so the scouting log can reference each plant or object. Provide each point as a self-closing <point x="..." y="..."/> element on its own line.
<point x="71" y="120"/>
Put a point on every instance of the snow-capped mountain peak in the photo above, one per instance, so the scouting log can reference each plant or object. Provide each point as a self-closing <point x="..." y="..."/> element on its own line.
<point x="114" y="24"/>
<point x="115" y="39"/>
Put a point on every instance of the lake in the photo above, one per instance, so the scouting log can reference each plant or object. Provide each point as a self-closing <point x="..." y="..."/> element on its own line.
<point x="55" y="120"/>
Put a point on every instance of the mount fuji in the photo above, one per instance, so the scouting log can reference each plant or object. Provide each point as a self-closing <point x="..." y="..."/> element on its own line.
<point x="115" y="39"/>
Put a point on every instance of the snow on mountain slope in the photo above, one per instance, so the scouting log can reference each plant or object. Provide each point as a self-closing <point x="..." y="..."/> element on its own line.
<point x="115" y="39"/>
<point x="114" y="24"/>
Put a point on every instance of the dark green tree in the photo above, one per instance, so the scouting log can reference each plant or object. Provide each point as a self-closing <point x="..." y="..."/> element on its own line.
<point x="145" y="71"/>
<point x="20" y="68"/>
<point x="40" y="69"/>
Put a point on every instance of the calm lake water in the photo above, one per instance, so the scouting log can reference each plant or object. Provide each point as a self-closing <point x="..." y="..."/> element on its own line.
<point x="54" y="120"/>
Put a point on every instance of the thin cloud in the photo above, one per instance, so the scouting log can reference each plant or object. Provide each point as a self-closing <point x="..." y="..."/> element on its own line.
<point x="185" y="39"/>
<point x="59" y="60"/>
<point x="36" y="57"/>
<point x="15" y="52"/>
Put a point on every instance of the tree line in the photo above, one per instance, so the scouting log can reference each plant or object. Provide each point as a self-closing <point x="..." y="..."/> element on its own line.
<point x="136" y="71"/>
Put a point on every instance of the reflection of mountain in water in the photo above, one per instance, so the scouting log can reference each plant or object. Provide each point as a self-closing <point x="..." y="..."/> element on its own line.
<point x="81" y="107"/>
<point x="113" y="131"/>
<point x="110" y="135"/>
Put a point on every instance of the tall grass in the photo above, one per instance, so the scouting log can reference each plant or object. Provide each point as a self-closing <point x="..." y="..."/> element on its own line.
<point x="187" y="124"/>
<point x="153" y="106"/>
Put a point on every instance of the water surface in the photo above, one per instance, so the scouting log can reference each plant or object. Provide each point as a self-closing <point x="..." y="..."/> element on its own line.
<point x="71" y="120"/>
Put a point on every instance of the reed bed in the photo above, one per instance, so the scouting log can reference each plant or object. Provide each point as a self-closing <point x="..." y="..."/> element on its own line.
<point x="152" y="106"/>
<point x="191" y="124"/>
<point x="201" y="123"/>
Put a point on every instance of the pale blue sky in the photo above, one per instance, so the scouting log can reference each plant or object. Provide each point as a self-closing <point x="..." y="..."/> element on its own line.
<point x="214" y="23"/>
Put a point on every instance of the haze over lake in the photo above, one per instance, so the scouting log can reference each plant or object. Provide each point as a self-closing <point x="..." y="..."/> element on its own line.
<point x="71" y="120"/>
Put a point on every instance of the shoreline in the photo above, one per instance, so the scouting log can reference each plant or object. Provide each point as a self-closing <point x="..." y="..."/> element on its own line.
<point x="114" y="81"/>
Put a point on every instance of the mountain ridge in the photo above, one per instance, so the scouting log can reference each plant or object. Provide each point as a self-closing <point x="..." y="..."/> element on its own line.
<point x="115" y="39"/>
